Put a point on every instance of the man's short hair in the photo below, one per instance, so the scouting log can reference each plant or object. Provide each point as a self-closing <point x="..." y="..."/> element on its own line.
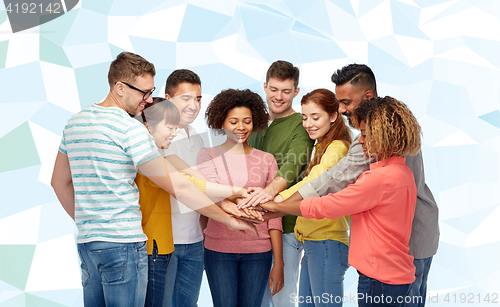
<point x="127" y="67"/>
<point x="356" y="75"/>
<point x="180" y="76"/>
<point x="283" y="70"/>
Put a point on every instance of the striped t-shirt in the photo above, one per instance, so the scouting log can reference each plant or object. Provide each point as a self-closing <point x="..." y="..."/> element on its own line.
<point x="104" y="147"/>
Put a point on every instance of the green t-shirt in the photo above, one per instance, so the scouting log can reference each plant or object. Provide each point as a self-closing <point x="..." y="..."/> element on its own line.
<point x="288" y="141"/>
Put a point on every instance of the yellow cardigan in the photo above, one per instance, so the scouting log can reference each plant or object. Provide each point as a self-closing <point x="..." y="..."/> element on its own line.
<point x="156" y="213"/>
<point x="325" y="229"/>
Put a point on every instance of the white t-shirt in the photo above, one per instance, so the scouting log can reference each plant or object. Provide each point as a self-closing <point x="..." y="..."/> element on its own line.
<point x="104" y="148"/>
<point x="185" y="222"/>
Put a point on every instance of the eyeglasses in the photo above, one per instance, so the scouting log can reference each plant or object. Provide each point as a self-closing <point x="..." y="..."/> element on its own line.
<point x="146" y="94"/>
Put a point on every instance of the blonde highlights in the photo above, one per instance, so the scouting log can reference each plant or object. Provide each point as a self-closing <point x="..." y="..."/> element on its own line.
<point x="391" y="128"/>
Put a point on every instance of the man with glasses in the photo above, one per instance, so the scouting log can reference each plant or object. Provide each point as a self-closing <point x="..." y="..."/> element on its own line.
<point x="101" y="151"/>
<point x="146" y="94"/>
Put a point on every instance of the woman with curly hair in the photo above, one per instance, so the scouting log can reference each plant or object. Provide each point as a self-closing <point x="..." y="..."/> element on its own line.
<point x="238" y="266"/>
<point x="381" y="203"/>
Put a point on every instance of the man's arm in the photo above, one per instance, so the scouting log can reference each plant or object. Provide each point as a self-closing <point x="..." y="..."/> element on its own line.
<point x="186" y="192"/>
<point x="62" y="183"/>
<point x="335" y="179"/>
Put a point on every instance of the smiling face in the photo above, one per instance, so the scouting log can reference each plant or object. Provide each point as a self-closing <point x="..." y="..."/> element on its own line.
<point x="132" y="99"/>
<point x="238" y="125"/>
<point x="163" y="133"/>
<point x="316" y="121"/>
<point x="279" y="97"/>
<point x="350" y="97"/>
<point x="187" y="99"/>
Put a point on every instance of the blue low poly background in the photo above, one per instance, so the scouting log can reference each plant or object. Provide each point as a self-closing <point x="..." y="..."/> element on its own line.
<point x="440" y="57"/>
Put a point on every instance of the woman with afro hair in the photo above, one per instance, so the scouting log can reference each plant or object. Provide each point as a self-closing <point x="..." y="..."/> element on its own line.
<point x="238" y="265"/>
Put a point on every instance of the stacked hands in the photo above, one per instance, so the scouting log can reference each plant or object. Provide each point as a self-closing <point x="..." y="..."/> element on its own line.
<point x="251" y="204"/>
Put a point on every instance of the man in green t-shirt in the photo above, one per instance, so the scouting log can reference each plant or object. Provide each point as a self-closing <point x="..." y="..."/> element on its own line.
<point x="288" y="141"/>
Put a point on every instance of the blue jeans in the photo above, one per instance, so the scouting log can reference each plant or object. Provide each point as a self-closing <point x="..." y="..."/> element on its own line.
<point x="114" y="274"/>
<point x="322" y="274"/>
<point x="418" y="291"/>
<point x="372" y="292"/>
<point x="237" y="280"/>
<point x="184" y="275"/>
<point x="292" y="253"/>
<point x="157" y="276"/>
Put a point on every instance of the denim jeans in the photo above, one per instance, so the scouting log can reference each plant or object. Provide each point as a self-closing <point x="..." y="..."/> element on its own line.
<point x="322" y="273"/>
<point x="372" y="292"/>
<point x="292" y="253"/>
<point x="114" y="274"/>
<point x="184" y="275"/>
<point x="157" y="276"/>
<point x="418" y="291"/>
<point x="237" y="280"/>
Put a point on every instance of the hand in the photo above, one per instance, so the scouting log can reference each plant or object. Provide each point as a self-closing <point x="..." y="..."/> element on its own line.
<point x="276" y="279"/>
<point x="242" y="202"/>
<point x="242" y="192"/>
<point x="278" y="199"/>
<point x="252" y="220"/>
<point x="270" y="206"/>
<point x="257" y="196"/>
<point x="231" y="208"/>
<point x="256" y="214"/>
<point x="241" y="226"/>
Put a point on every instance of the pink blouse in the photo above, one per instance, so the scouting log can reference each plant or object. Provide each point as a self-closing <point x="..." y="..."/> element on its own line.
<point x="256" y="169"/>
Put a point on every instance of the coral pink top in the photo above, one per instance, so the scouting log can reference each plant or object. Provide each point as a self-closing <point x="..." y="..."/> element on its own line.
<point x="382" y="204"/>
<point x="256" y="169"/>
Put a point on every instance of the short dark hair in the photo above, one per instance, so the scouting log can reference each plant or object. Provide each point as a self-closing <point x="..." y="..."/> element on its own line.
<point x="356" y="75"/>
<point x="229" y="99"/>
<point x="180" y="76"/>
<point x="127" y="67"/>
<point x="283" y="70"/>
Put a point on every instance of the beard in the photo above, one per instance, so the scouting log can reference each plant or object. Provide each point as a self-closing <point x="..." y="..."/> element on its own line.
<point x="348" y="115"/>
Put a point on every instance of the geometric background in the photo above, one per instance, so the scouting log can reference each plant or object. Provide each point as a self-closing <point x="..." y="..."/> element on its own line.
<point x="440" y="57"/>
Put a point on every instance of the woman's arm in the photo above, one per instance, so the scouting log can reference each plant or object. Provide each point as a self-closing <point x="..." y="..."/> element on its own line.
<point x="217" y="191"/>
<point x="276" y="277"/>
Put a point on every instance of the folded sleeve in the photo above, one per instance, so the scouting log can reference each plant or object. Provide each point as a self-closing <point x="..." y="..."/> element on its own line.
<point x="275" y="224"/>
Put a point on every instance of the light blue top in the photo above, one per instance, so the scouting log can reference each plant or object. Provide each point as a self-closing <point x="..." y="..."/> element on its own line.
<point x="104" y="147"/>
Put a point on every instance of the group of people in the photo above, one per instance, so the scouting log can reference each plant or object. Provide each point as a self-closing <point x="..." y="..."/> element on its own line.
<point x="155" y="207"/>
